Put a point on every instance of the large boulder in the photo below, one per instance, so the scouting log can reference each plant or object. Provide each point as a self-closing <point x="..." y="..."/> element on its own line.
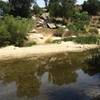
<point x="36" y="37"/>
<point x="33" y="31"/>
<point x="51" y="25"/>
<point x="60" y="26"/>
<point x="40" y="23"/>
<point x="45" y="16"/>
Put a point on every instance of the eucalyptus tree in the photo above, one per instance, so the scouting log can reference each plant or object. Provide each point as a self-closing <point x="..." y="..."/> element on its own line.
<point x="61" y="8"/>
<point x="21" y="7"/>
<point x="91" y="6"/>
<point x="46" y="3"/>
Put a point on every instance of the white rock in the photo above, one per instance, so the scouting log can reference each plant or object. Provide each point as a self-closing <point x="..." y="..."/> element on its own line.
<point x="33" y="31"/>
<point x="33" y="17"/>
<point x="35" y="37"/>
<point x="45" y="15"/>
<point x="51" y="25"/>
<point x="98" y="31"/>
<point x="61" y="26"/>
<point x="66" y="30"/>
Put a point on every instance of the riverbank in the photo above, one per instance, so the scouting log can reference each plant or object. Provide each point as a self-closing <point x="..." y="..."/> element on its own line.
<point x="12" y="52"/>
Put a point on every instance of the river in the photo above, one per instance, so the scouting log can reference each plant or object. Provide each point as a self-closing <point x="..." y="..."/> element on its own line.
<point x="64" y="76"/>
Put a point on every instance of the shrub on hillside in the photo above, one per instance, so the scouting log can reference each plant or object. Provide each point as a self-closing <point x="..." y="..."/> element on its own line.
<point x="13" y="30"/>
<point x="80" y="20"/>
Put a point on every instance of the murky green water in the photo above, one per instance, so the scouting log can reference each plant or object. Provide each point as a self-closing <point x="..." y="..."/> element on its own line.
<point x="63" y="76"/>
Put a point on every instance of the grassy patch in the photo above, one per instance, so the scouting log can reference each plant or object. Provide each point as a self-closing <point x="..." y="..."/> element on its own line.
<point x="84" y="39"/>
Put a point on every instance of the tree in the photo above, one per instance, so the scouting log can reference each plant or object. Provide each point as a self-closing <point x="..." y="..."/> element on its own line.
<point x="46" y="3"/>
<point x="4" y="7"/>
<point x="21" y="7"/>
<point x="91" y="6"/>
<point x="61" y="8"/>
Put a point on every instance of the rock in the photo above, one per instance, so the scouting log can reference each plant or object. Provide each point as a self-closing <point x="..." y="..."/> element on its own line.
<point x="59" y="19"/>
<point x="94" y="93"/>
<point x="60" y="26"/>
<point x="33" y="17"/>
<point x="41" y="23"/>
<point x="33" y="31"/>
<point x="98" y="31"/>
<point x="45" y="16"/>
<point x="35" y="37"/>
<point x="56" y="38"/>
<point x="73" y="36"/>
<point x="51" y="25"/>
<point x="10" y="47"/>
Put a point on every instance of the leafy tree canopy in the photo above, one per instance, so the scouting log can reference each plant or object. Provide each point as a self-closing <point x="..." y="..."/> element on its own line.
<point x="61" y="8"/>
<point x="91" y="6"/>
<point x="4" y="7"/>
<point x="21" y="7"/>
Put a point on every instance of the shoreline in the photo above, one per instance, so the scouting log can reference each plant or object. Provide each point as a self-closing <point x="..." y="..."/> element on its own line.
<point x="12" y="52"/>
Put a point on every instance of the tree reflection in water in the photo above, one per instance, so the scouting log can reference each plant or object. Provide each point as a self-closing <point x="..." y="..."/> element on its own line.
<point x="28" y="75"/>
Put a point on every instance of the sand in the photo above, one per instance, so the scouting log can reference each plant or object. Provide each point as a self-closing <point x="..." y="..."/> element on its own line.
<point x="12" y="52"/>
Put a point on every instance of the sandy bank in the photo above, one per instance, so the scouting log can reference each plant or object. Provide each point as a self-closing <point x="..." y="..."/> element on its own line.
<point x="12" y="52"/>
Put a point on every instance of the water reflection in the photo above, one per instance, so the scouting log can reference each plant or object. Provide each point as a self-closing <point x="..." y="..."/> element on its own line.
<point x="57" y="77"/>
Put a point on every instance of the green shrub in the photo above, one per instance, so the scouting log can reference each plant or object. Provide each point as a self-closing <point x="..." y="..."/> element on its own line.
<point x="84" y="39"/>
<point x="13" y="30"/>
<point x="80" y="20"/>
<point x="93" y="31"/>
<point x="4" y="35"/>
<point x="87" y="39"/>
<point x="29" y="44"/>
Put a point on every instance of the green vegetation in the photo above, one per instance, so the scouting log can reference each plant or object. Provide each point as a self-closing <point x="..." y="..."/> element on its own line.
<point x="20" y="7"/>
<point x="94" y="59"/>
<point x="80" y="20"/>
<point x="93" y="31"/>
<point x="65" y="7"/>
<point x="89" y="39"/>
<point x="5" y="7"/>
<point x="15" y="26"/>
<point x="91" y="6"/>
<point x="13" y="30"/>
<point x="84" y="39"/>
<point x="37" y="10"/>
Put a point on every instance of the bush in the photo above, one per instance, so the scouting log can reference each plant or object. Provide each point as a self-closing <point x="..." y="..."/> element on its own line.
<point x="84" y="39"/>
<point x="87" y="39"/>
<point x="13" y="30"/>
<point x="93" y="31"/>
<point x="4" y="35"/>
<point x="80" y="20"/>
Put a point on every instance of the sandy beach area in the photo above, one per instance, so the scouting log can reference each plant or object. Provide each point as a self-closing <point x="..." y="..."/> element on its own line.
<point x="12" y="52"/>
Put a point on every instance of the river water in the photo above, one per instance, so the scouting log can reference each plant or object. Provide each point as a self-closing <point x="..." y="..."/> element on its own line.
<point x="64" y="76"/>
